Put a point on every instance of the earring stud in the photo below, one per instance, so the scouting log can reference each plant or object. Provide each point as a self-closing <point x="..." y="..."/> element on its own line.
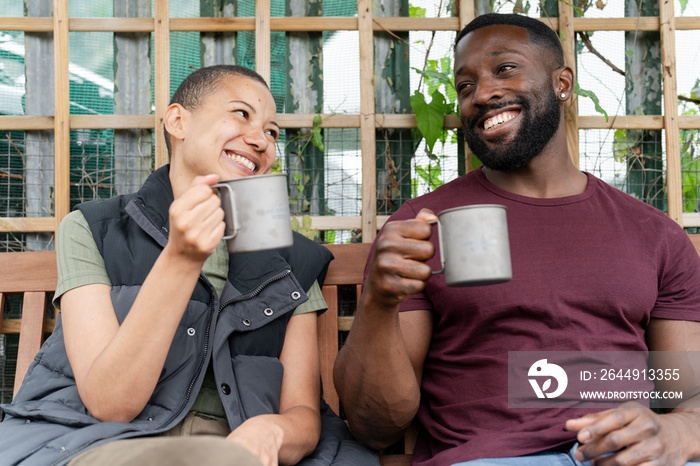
<point x="562" y="95"/>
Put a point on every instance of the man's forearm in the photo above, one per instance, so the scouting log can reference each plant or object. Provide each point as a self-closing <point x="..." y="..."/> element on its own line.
<point x="688" y="416"/>
<point x="375" y="379"/>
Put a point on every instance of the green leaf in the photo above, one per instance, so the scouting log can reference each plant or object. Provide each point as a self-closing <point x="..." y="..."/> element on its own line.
<point x="476" y="163"/>
<point x="684" y="4"/>
<point x="695" y="91"/>
<point x="620" y="146"/>
<point x="591" y="95"/>
<point x="441" y="76"/>
<point x="317" y="137"/>
<point x="430" y="116"/>
<point x="416" y="11"/>
<point x="431" y="175"/>
<point x="576" y="9"/>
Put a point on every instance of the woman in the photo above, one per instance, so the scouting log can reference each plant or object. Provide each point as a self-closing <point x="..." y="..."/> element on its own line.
<point x="162" y="333"/>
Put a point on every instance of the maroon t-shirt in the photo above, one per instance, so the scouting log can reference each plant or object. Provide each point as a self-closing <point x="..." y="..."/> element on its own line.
<point x="589" y="271"/>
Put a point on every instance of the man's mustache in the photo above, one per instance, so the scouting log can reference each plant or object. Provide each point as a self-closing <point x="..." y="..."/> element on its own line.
<point x="483" y="110"/>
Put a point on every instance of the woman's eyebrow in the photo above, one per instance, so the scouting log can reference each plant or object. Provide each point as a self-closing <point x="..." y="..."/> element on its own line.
<point x="244" y="103"/>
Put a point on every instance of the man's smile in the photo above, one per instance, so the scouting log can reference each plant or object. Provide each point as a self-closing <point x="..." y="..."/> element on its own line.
<point x="499" y="119"/>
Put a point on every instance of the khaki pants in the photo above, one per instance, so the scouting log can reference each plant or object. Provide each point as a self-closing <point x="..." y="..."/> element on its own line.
<point x="195" y="441"/>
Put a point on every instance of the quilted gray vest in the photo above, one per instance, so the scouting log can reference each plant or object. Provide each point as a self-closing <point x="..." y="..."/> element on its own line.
<point x="240" y="333"/>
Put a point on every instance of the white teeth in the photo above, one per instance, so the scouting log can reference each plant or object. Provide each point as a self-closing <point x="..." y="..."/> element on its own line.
<point x="242" y="160"/>
<point x="497" y="120"/>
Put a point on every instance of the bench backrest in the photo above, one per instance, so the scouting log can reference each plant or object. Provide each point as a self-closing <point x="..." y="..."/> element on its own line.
<point x="33" y="275"/>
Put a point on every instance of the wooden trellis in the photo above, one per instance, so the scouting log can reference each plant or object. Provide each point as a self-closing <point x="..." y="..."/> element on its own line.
<point x="367" y="120"/>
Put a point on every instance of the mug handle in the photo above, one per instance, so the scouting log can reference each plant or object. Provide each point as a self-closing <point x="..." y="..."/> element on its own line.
<point x="442" y="256"/>
<point x="232" y="197"/>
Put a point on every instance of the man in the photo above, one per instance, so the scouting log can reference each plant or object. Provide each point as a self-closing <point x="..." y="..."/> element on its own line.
<point x="593" y="269"/>
<point x="169" y="350"/>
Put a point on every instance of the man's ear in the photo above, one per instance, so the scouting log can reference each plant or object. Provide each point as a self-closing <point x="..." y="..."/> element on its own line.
<point x="174" y="121"/>
<point x="563" y="81"/>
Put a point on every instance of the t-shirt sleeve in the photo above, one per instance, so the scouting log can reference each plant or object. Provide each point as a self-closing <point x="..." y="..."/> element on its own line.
<point x="316" y="302"/>
<point x="78" y="260"/>
<point x="415" y="302"/>
<point x="679" y="279"/>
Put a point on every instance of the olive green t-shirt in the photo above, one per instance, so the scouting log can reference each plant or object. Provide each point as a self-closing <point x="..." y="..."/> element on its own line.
<point x="80" y="263"/>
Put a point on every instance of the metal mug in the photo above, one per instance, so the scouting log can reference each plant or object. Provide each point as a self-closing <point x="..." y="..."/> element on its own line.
<point x="256" y="212"/>
<point x="474" y="246"/>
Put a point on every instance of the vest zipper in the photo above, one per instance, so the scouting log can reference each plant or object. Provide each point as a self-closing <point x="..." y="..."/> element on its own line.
<point x="257" y="290"/>
<point x="204" y="357"/>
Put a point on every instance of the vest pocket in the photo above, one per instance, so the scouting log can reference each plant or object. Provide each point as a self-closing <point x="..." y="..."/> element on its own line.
<point x="259" y="384"/>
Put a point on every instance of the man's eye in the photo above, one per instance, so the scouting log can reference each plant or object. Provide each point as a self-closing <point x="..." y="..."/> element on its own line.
<point x="464" y="87"/>
<point x="505" y="68"/>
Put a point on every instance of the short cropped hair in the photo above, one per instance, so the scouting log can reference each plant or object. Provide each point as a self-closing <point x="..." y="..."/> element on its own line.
<point x="538" y="32"/>
<point x="196" y="87"/>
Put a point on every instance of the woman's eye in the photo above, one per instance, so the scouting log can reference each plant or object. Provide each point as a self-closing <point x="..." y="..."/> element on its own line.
<point x="243" y="113"/>
<point x="272" y="133"/>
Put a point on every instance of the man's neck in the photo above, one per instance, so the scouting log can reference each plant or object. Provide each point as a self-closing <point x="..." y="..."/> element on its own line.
<point x="545" y="177"/>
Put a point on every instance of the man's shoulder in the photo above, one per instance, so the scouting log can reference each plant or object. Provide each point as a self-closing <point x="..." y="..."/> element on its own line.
<point x="443" y="197"/>
<point x="622" y="201"/>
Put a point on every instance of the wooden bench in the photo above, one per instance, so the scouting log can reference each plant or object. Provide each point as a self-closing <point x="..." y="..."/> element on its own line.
<point x="32" y="275"/>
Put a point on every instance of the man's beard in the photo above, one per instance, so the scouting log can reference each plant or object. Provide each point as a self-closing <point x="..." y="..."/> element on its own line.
<point x="535" y="132"/>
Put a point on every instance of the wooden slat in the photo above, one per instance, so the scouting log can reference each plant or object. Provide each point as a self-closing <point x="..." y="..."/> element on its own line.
<point x="112" y="121"/>
<point x="28" y="271"/>
<point x="25" y="122"/>
<point x="345" y="120"/>
<point x="344" y="222"/>
<point x="566" y="31"/>
<point x="26" y="23"/>
<point x="328" y="345"/>
<point x="31" y="333"/>
<point x="345" y="323"/>
<point x="640" y="23"/>
<point x="306" y="120"/>
<point x="349" y="263"/>
<point x="15" y="325"/>
<point x="466" y="12"/>
<point x="313" y="24"/>
<point x="691" y="220"/>
<point x="262" y="39"/>
<point x="403" y="24"/>
<point x="162" y="76"/>
<point x="674" y="183"/>
<point x="27" y="224"/>
<point x="212" y="24"/>
<point x="62" y="110"/>
<point x="330" y="23"/>
<point x="621" y="122"/>
<point x="689" y="122"/>
<point x="695" y="239"/>
<point x="48" y="224"/>
<point x="367" y="121"/>
<point x="395" y="460"/>
<point x="687" y="23"/>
